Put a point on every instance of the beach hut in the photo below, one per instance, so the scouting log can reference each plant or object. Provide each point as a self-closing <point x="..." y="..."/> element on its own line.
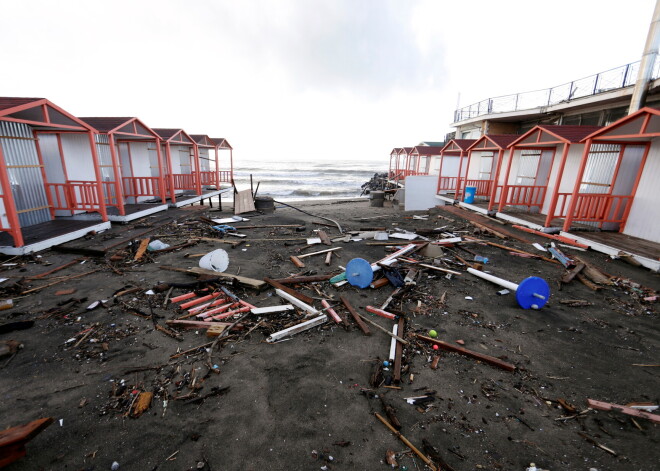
<point x="394" y="163"/>
<point x="226" y="164"/>
<point x="49" y="177"/>
<point x="211" y="173"/>
<point x="540" y="164"/>
<point x="484" y="158"/>
<point x="427" y="159"/>
<point x="451" y="160"/>
<point x="615" y="189"/>
<point x="132" y="167"/>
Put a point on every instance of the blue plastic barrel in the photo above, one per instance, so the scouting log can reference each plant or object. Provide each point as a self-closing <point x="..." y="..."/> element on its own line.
<point x="470" y="191"/>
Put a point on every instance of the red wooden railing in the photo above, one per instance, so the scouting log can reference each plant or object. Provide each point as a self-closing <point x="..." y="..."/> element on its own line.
<point x="524" y="195"/>
<point x="225" y="176"/>
<point x="14" y="229"/>
<point x="483" y="186"/>
<point x="208" y="178"/>
<point x="74" y="195"/>
<point x="447" y="183"/>
<point x="110" y="194"/>
<point x="141" y="186"/>
<point x="184" y="181"/>
<point x="594" y="207"/>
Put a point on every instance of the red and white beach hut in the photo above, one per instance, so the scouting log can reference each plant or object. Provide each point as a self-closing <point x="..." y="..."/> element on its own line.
<point x="451" y="161"/>
<point x="484" y="159"/>
<point x="225" y="153"/>
<point x="49" y="177"/>
<point x="540" y="164"/>
<point x="427" y="159"/>
<point x="211" y="173"/>
<point x="615" y="189"/>
<point x="132" y="167"/>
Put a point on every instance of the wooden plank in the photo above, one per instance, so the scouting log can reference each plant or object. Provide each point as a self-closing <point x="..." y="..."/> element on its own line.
<point x="272" y="309"/>
<point x="570" y="274"/>
<point x="551" y="236"/>
<point x="303" y="326"/>
<point x="319" y="252"/>
<point x="303" y="279"/>
<point x="249" y="282"/>
<point x="303" y="297"/>
<point x="144" y="243"/>
<point x="324" y="238"/>
<point x="399" y="352"/>
<point x="293" y="300"/>
<point x="13" y="440"/>
<point x="61" y="267"/>
<point x="363" y="327"/>
<point x="243" y="202"/>
<point x="606" y="406"/>
<point x="472" y="217"/>
<point x="464" y="351"/>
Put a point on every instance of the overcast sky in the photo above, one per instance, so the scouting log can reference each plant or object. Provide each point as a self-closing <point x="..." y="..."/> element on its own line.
<point x="306" y="78"/>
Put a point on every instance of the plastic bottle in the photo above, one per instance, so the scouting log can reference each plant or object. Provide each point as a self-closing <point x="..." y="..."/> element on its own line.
<point x="532" y="467"/>
<point x="479" y="258"/>
<point x="157" y="245"/>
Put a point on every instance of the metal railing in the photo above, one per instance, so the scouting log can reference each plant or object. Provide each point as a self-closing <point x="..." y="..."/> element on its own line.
<point x="619" y="77"/>
<point x="74" y="195"/>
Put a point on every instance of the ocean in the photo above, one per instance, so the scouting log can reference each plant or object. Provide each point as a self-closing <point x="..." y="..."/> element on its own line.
<point x="306" y="180"/>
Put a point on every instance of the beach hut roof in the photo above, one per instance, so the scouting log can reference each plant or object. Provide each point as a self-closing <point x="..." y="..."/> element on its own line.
<point x="222" y="143"/>
<point x="499" y="141"/>
<point x="643" y="124"/>
<point x="552" y="134"/>
<point x="40" y="113"/>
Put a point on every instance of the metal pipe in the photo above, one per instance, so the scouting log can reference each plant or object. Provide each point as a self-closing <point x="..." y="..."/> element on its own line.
<point x="647" y="62"/>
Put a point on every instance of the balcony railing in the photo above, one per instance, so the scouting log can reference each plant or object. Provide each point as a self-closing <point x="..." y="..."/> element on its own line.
<point x="184" y="181"/>
<point x="524" y="195"/>
<point x="141" y="186"/>
<point x="619" y="77"/>
<point x="74" y="195"/>
<point x="483" y="186"/>
<point x="208" y="178"/>
<point x="225" y="176"/>
<point x="596" y="207"/>
<point x="447" y="184"/>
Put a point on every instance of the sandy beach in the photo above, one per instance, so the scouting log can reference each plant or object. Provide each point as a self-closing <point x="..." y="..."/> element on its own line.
<point x="307" y="403"/>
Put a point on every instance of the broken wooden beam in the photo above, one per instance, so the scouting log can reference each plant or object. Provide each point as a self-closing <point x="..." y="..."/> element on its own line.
<point x="13" y="440"/>
<point x="245" y="281"/>
<point x="303" y="326"/>
<point x="271" y="309"/>
<point x="566" y="240"/>
<point x="311" y="311"/>
<point x="193" y="324"/>
<point x="398" y="354"/>
<point x="56" y="269"/>
<point x="464" y="351"/>
<point x="422" y="456"/>
<point x="297" y="294"/>
<point x="358" y="319"/>
<point x="572" y="273"/>
<point x="293" y="280"/>
<point x="606" y="406"/>
<point x="144" y="243"/>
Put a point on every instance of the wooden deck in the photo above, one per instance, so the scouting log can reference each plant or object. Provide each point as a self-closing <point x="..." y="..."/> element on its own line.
<point x="625" y="242"/>
<point x="46" y="230"/>
<point x="133" y="208"/>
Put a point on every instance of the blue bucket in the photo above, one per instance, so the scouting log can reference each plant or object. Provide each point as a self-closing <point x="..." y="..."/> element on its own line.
<point x="470" y="191"/>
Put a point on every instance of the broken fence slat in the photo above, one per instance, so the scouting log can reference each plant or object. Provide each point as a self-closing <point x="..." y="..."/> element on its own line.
<point x="297" y="294"/>
<point x="303" y="279"/>
<point x="297" y="302"/>
<point x="606" y="406"/>
<point x="331" y="311"/>
<point x="194" y="324"/>
<point x="358" y="319"/>
<point x="398" y="353"/>
<point x="303" y="326"/>
<point x="464" y="351"/>
<point x="551" y="236"/>
<point x="272" y="309"/>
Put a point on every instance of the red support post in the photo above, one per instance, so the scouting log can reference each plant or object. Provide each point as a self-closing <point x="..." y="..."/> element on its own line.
<point x="10" y="204"/>
<point x="99" y="177"/>
<point x="198" y="179"/>
<point x="576" y="187"/>
<point x="161" y="178"/>
<point x="168" y="156"/>
<point x="505" y="186"/>
<point x="119" y="187"/>
<point x="555" y="193"/>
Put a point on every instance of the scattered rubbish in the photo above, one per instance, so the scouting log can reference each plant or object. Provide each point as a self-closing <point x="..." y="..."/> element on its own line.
<point x="402" y="235"/>
<point x="479" y="356"/>
<point x="297" y="260"/>
<point x="503" y="292"/>
<point x="232" y="219"/>
<point x="423" y="457"/>
<point x="115" y="466"/>
<point x="157" y="245"/>
<point x="217" y="260"/>
<point x="532" y="293"/>
<point x="303" y="326"/>
<point x="381" y="236"/>
<point x="539" y="247"/>
<point x="433" y="334"/>
<point x="381" y="313"/>
<point x="65" y="292"/>
<point x="9" y="347"/>
<point x="479" y="258"/>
